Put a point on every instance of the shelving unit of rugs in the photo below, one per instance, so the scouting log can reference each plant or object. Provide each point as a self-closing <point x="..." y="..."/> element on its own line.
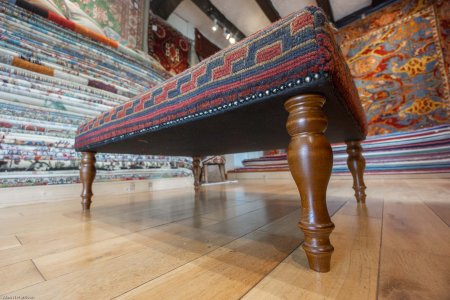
<point x="52" y="80"/>
<point x="424" y="151"/>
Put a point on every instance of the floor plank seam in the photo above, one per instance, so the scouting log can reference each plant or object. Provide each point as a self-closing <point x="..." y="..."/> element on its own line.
<point x="17" y="262"/>
<point x="193" y="260"/>
<point x="39" y="271"/>
<point x="340" y="207"/>
<point x="270" y="271"/>
<point x="4" y="296"/>
<point x="130" y="233"/>
<point x="171" y="270"/>
<point x="286" y="216"/>
<point x="426" y="204"/>
<point x="118" y="236"/>
<point x="379" y="251"/>
<point x="18" y="240"/>
<point x="429" y="207"/>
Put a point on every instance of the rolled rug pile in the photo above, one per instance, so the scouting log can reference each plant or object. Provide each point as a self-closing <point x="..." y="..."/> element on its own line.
<point x="53" y="79"/>
<point x="417" y="152"/>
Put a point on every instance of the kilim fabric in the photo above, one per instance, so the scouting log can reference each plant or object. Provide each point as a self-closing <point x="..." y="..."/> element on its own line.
<point x="294" y="53"/>
<point x="214" y="160"/>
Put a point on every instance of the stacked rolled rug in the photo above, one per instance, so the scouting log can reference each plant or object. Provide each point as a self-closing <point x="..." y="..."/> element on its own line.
<point x="424" y="151"/>
<point x="52" y="79"/>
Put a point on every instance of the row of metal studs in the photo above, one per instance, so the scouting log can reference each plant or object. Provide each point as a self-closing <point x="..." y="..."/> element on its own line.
<point x="258" y="95"/>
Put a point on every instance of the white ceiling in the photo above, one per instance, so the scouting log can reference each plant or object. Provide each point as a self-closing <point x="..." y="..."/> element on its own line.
<point x="286" y="7"/>
<point x="343" y="8"/>
<point x="190" y="12"/>
<point x="248" y="17"/>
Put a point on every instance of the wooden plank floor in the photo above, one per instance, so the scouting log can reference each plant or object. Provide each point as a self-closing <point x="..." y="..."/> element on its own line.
<point x="230" y="242"/>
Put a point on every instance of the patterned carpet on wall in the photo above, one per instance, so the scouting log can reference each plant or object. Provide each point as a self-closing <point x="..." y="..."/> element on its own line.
<point x="167" y="45"/>
<point x="53" y="80"/>
<point x="397" y="62"/>
<point x="422" y="151"/>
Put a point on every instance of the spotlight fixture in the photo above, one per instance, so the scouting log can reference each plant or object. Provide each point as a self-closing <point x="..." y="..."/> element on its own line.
<point x="227" y="34"/>
<point x="215" y="26"/>
<point x="232" y="40"/>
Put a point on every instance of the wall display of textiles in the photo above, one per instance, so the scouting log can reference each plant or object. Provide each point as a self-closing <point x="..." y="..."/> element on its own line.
<point x="52" y="80"/>
<point x="442" y="8"/>
<point x="416" y="152"/>
<point x="397" y="57"/>
<point x="167" y="45"/>
<point x="81" y="23"/>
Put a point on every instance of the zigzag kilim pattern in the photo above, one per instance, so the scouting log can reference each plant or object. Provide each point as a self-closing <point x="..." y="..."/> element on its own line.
<point x="293" y="53"/>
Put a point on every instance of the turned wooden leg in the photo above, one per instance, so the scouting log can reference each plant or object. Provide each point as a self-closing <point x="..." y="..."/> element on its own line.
<point x="87" y="175"/>
<point x="223" y="174"/>
<point x="310" y="162"/>
<point x="196" y="170"/>
<point x="205" y="172"/>
<point x="356" y="163"/>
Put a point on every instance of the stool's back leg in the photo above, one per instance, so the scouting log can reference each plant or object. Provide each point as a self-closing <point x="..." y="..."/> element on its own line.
<point x="357" y="164"/>
<point x="196" y="170"/>
<point x="222" y="172"/>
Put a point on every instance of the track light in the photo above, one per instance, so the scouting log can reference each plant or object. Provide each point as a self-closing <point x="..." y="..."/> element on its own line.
<point x="215" y="26"/>
<point x="226" y="34"/>
<point x="232" y="40"/>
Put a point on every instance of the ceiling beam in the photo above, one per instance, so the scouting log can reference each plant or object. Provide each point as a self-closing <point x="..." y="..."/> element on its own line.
<point x="326" y="7"/>
<point x="269" y="10"/>
<point x="213" y="13"/>
<point x="163" y="8"/>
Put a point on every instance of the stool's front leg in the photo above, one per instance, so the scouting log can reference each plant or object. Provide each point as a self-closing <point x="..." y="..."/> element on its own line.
<point x="196" y="171"/>
<point x="87" y="176"/>
<point x="310" y="162"/>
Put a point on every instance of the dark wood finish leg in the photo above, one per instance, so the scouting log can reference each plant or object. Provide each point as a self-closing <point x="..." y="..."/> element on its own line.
<point x="87" y="176"/>
<point x="357" y="164"/>
<point x="197" y="171"/>
<point x="310" y="162"/>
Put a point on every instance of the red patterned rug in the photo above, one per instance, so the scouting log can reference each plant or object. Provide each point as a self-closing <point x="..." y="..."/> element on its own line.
<point x="167" y="45"/>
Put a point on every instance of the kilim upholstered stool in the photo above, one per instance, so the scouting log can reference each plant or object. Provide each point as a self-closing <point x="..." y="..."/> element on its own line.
<point x="291" y="75"/>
